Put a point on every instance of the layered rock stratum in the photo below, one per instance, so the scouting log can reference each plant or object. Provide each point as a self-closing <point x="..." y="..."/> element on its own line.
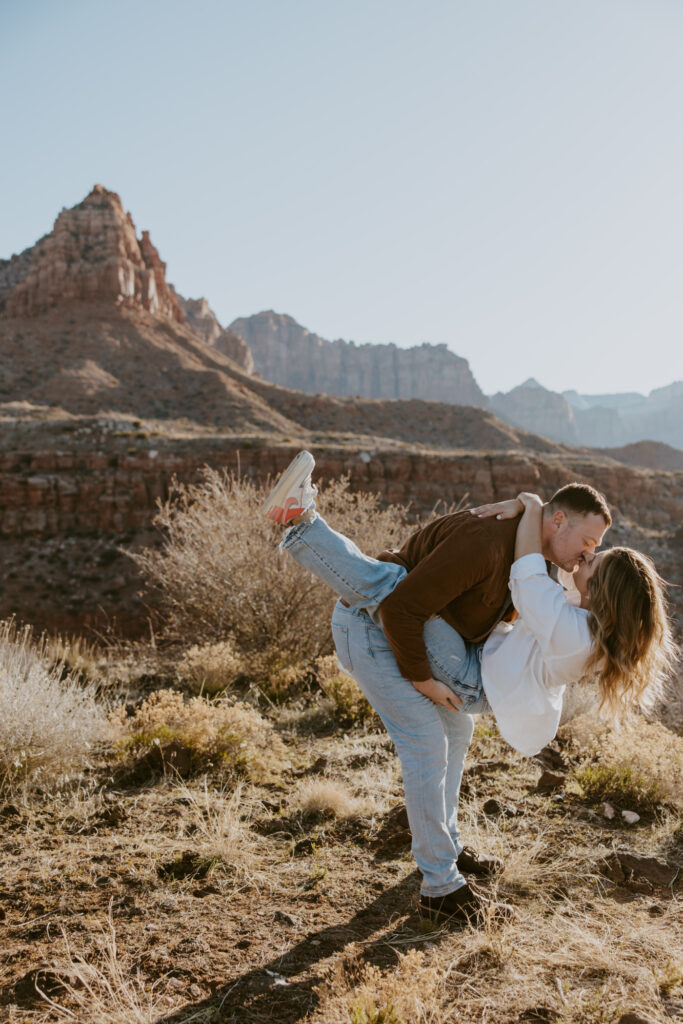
<point x="92" y="254"/>
<point x="291" y="355"/>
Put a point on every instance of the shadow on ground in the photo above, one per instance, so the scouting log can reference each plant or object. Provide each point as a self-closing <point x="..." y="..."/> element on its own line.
<point x="255" y="994"/>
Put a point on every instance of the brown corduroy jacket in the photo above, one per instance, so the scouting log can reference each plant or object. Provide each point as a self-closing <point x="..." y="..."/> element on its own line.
<point x="458" y="568"/>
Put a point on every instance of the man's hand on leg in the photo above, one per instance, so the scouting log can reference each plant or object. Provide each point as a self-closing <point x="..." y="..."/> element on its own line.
<point x="439" y="693"/>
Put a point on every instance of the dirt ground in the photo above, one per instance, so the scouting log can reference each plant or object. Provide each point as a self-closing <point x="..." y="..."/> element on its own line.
<point x="138" y="896"/>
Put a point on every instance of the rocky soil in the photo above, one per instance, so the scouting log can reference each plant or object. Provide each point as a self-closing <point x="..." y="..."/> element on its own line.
<point x="205" y="899"/>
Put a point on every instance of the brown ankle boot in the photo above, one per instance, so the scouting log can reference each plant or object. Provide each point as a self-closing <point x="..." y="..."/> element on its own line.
<point x="464" y="906"/>
<point x="478" y="863"/>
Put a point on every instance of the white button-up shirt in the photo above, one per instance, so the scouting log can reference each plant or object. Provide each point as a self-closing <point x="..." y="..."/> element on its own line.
<point x="525" y="667"/>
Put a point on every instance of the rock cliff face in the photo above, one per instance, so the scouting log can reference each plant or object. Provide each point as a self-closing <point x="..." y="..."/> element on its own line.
<point x="290" y="355"/>
<point x="91" y="254"/>
<point x="201" y="319"/>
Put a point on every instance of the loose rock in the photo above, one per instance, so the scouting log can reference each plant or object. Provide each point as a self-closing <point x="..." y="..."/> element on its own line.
<point x="550" y="781"/>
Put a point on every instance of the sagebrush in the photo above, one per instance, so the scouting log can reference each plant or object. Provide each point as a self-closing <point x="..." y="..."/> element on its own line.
<point x="221" y="574"/>
<point x="231" y="736"/>
<point x="210" y="668"/>
<point x="49" y="717"/>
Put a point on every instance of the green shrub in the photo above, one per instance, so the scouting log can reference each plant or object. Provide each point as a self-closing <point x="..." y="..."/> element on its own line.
<point x="350" y="704"/>
<point x="619" y="783"/>
<point x="371" y="1014"/>
<point x="232" y="736"/>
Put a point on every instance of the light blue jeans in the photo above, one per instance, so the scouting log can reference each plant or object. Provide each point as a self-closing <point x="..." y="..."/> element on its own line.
<point x="431" y="741"/>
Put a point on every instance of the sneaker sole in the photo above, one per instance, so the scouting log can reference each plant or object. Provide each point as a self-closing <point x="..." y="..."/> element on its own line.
<point x="297" y="471"/>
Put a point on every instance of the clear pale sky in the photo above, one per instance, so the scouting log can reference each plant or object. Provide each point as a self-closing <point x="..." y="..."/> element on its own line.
<point x="504" y="176"/>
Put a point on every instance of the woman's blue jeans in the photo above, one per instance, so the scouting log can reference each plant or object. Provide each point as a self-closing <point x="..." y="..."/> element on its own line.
<point x="431" y="741"/>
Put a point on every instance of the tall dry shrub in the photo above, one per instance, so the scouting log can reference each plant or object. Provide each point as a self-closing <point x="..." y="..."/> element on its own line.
<point x="49" y="720"/>
<point x="221" y="574"/>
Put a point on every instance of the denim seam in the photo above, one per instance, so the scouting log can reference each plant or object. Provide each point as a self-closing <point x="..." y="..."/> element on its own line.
<point x="472" y="690"/>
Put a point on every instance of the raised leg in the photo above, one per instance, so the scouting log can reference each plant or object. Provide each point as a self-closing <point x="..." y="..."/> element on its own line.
<point x="361" y="581"/>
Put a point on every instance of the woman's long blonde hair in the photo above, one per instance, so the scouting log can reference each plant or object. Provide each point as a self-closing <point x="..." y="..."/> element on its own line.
<point x="633" y="647"/>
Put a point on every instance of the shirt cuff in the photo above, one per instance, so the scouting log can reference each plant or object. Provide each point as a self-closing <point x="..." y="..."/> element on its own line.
<point x="528" y="565"/>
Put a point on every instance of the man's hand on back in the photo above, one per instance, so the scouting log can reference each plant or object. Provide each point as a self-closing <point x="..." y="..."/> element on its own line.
<point x="439" y="693"/>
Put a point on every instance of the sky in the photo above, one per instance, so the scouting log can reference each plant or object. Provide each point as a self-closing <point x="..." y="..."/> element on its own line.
<point x="502" y="176"/>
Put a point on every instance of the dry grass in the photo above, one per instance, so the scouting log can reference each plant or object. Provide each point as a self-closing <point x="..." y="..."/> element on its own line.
<point x="636" y="761"/>
<point x="325" y="796"/>
<point x="298" y="936"/>
<point x="78" y="655"/>
<point x="218" y="823"/>
<point x="230" y="736"/>
<point x="210" y="668"/>
<point x="576" y="961"/>
<point x="49" y="720"/>
<point x="105" y="988"/>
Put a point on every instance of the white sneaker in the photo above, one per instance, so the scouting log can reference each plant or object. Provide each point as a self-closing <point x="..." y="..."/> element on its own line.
<point x="293" y="493"/>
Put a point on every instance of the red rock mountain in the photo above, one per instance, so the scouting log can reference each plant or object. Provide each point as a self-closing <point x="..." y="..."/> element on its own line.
<point x="89" y="325"/>
<point x="203" y="321"/>
<point x="92" y="254"/>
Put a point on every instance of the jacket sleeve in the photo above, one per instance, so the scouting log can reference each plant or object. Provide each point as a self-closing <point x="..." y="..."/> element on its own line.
<point x="458" y="563"/>
<point x="559" y="627"/>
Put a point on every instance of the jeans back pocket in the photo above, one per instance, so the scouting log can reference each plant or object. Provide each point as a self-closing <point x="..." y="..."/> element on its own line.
<point x="340" y="635"/>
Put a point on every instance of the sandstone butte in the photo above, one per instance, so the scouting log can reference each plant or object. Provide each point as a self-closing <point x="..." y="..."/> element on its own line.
<point x="112" y="384"/>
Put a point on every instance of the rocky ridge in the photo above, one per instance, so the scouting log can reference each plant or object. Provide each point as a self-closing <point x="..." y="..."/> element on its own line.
<point x="531" y="403"/>
<point x="201" y="319"/>
<point x="290" y="355"/>
<point x="93" y="255"/>
<point x="294" y="357"/>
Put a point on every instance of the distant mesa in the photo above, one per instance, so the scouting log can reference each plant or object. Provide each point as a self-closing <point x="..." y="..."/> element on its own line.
<point x="294" y="357"/>
<point x="290" y="355"/>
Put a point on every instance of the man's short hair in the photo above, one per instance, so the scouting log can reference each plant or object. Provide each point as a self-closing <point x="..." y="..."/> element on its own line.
<point x="581" y="499"/>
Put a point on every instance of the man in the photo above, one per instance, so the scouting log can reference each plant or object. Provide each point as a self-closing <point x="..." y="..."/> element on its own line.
<point x="458" y="568"/>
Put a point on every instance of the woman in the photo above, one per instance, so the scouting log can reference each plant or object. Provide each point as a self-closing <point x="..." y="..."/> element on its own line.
<point x="618" y="632"/>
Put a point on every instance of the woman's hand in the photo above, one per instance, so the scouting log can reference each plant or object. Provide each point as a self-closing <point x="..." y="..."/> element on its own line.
<point x="500" y="509"/>
<point x="509" y="509"/>
<point x="439" y="693"/>
<point x="529" y="500"/>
